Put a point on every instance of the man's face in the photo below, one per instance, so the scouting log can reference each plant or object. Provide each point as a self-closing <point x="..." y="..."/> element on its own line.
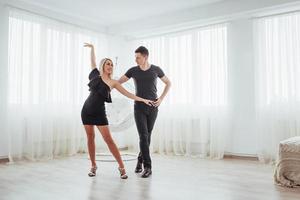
<point x="140" y="59"/>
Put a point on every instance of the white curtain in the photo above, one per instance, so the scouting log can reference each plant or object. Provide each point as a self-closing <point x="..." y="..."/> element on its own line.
<point x="48" y="70"/>
<point x="277" y="49"/>
<point x="194" y="118"/>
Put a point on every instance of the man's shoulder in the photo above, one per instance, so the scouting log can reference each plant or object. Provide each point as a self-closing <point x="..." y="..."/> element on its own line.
<point x="133" y="68"/>
<point x="131" y="71"/>
<point x="156" y="68"/>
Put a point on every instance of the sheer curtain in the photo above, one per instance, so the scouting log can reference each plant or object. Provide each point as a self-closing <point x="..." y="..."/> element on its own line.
<point x="277" y="48"/>
<point x="48" y="69"/>
<point x="194" y="117"/>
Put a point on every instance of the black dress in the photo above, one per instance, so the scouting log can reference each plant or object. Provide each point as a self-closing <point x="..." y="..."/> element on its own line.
<point x="93" y="110"/>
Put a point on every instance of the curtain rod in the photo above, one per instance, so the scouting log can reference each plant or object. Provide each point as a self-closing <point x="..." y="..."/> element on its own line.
<point x="277" y="14"/>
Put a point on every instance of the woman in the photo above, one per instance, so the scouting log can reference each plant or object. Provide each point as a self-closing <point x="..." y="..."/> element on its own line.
<point x="93" y="111"/>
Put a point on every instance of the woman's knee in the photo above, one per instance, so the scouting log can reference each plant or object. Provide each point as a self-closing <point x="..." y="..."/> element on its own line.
<point x="108" y="140"/>
<point x="91" y="139"/>
<point x="90" y="136"/>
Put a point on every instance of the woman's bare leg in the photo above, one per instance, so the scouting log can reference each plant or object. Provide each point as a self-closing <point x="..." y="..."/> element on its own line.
<point x="104" y="130"/>
<point x="90" y="132"/>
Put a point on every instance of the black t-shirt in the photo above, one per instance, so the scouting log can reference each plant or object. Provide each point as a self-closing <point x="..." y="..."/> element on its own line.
<point x="145" y="81"/>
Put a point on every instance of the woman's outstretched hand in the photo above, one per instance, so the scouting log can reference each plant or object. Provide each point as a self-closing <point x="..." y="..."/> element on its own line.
<point x="148" y="102"/>
<point x="88" y="45"/>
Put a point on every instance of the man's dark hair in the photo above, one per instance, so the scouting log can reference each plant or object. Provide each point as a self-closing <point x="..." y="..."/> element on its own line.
<point x="142" y="50"/>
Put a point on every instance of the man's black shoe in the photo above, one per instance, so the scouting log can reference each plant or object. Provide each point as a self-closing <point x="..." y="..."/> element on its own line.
<point x="138" y="168"/>
<point x="146" y="173"/>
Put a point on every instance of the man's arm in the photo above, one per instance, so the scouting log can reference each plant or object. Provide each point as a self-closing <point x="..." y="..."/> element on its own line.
<point x="167" y="83"/>
<point x="123" y="79"/>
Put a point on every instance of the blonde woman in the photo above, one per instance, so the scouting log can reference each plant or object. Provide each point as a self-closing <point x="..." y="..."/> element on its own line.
<point x="93" y="111"/>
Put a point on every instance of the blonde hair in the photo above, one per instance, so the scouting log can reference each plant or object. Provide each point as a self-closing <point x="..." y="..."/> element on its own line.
<point x="102" y="63"/>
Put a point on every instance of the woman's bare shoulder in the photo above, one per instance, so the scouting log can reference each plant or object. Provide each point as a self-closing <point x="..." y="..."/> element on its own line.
<point x="114" y="82"/>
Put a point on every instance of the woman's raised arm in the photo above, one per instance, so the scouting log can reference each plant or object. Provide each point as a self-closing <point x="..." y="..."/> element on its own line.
<point x="93" y="57"/>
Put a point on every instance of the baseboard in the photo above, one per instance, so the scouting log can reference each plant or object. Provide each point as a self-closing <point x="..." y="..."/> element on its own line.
<point x="123" y="149"/>
<point x="4" y="159"/>
<point x="229" y="155"/>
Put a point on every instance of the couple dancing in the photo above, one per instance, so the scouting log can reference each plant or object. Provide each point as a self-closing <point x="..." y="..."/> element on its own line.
<point x="145" y="108"/>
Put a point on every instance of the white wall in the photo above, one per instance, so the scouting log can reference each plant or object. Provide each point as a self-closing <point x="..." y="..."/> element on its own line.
<point x="241" y="87"/>
<point x="3" y="78"/>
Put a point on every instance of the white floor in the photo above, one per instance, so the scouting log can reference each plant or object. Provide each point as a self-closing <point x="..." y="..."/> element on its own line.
<point x="173" y="178"/>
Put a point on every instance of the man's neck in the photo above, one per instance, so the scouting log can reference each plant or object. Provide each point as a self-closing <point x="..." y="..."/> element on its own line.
<point x="145" y="66"/>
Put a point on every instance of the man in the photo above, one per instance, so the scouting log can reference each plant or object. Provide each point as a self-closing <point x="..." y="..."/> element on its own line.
<point x="145" y="79"/>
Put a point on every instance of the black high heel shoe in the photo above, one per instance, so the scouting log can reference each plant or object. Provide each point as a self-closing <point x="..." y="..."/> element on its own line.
<point x="93" y="171"/>
<point x="123" y="174"/>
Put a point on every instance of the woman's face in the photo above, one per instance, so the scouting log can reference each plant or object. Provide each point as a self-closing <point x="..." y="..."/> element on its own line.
<point x="108" y="67"/>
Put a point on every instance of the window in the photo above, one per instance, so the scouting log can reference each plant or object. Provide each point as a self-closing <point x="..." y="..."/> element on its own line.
<point x="196" y="62"/>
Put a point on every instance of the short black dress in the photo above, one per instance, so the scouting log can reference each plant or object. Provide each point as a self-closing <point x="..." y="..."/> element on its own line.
<point x="93" y="110"/>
